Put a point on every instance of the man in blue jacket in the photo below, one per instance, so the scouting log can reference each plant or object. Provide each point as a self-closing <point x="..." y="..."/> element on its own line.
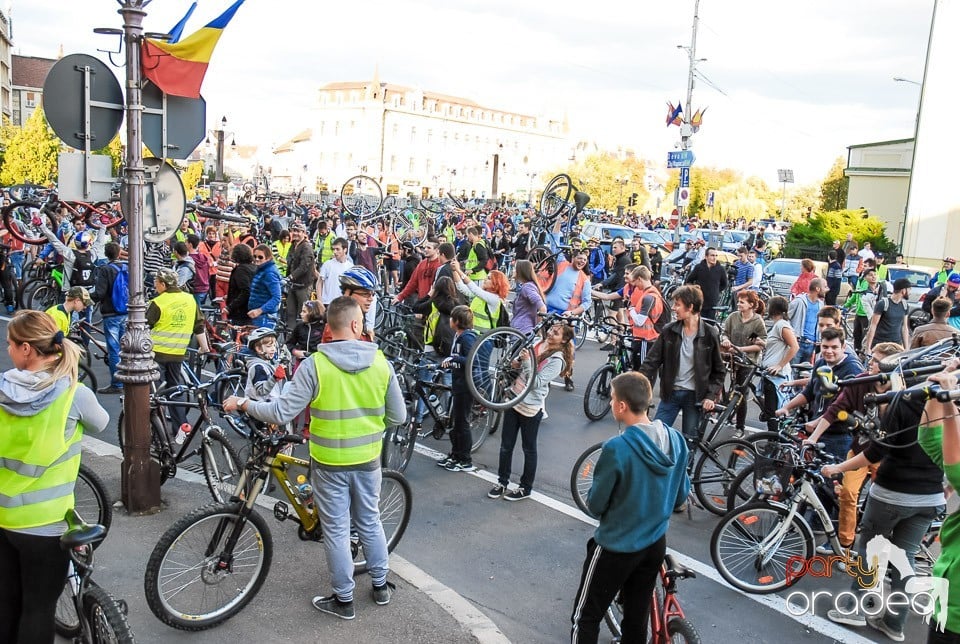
<point x="640" y="478"/>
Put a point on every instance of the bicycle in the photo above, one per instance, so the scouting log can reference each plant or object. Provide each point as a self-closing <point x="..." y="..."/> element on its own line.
<point x="223" y="551"/>
<point x="85" y="611"/>
<point x="596" y="400"/>
<point x="667" y="620"/>
<point x="23" y="218"/>
<point x="219" y="461"/>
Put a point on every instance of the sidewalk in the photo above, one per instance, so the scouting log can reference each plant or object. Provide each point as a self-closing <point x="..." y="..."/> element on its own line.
<point x="281" y="611"/>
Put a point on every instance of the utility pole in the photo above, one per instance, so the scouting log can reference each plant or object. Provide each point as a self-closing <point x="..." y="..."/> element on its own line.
<point x="140" y="477"/>
<point x="686" y="130"/>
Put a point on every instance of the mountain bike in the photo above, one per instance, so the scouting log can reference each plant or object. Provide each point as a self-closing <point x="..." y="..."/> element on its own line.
<point x="667" y="621"/>
<point x="23" y="218"/>
<point x="596" y="400"/>
<point x="86" y="612"/>
<point x="211" y="563"/>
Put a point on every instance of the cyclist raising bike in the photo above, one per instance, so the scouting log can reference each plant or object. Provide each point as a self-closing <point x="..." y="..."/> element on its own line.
<point x="44" y="414"/>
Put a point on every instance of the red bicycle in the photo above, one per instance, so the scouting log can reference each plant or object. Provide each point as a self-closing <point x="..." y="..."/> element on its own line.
<point x="667" y="621"/>
<point x="23" y="218"/>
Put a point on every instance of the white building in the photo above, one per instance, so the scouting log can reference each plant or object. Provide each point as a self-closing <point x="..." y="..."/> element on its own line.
<point x="6" y="51"/>
<point x="879" y="176"/>
<point x="421" y="143"/>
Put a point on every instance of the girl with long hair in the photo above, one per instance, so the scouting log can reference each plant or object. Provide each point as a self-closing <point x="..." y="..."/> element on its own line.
<point x="43" y="412"/>
<point x="745" y="330"/>
<point x="530" y="299"/>
<point x="781" y="346"/>
<point x="492" y="292"/>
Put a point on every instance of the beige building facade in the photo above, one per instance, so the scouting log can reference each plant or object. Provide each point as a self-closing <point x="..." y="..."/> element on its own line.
<point x="6" y="75"/>
<point x="879" y="175"/>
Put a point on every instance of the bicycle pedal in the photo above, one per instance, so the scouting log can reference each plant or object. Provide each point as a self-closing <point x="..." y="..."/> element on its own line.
<point x="281" y="511"/>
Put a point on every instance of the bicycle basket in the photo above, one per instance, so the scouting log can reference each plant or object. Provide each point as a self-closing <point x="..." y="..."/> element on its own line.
<point x="773" y="475"/>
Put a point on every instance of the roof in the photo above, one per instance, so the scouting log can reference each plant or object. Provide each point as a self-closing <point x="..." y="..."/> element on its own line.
<point x="403" y="89"/>
<point x="287" y="146"/>
<point x="30" y="71"/>
<point x="879" y="143"/>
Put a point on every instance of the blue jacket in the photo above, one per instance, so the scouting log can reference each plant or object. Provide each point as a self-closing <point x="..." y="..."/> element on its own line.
<point x="265" y="289"/>
<point x="636" y="486"/>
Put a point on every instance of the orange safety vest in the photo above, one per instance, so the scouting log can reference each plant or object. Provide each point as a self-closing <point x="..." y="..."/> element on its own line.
<point x="647" y="332"/>
<point x="544" y="281"/>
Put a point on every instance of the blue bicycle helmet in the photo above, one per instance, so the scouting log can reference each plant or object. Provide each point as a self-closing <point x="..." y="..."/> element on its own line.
<point x="82" y="240"/>
<point x="358" y="277"/>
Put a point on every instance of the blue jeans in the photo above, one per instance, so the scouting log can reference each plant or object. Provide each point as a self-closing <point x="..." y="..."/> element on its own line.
<point x="681" y="400"/>
<point x="804" y="353"/>
<point x="340" y="496"/>
<point x="113" y="327"/>
<point x="16" y="261"/>
<point x="837" y="444"/>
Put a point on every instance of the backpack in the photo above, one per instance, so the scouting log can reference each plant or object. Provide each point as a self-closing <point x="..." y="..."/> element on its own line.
<point x="666" y="313"/>
<point x="83" y="267"/>
<point x="503" y="317"/>
<point x="190" y="284"/>
<point x="120" y="293"/>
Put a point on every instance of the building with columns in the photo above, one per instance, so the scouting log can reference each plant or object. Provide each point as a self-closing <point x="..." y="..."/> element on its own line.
<point x="419" y="143"/>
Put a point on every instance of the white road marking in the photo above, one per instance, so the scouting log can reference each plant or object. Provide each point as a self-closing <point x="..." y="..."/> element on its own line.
<point x="813" y="622"/>
<point x="466" y="614"/>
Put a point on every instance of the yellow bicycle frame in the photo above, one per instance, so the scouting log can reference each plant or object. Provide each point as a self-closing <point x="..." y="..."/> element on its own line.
<point x="279" y="466"/>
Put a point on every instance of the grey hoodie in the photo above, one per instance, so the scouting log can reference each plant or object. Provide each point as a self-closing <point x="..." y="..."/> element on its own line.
<point x="21" y="394"/>
<point x="351" y="356"/>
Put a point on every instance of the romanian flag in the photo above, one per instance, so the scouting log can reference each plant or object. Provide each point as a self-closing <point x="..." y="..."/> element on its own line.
<point x="178" y="68"/>
<point x="697" y="119"/>
<point x="673" y="114"/>
<point x="177" y="30"/>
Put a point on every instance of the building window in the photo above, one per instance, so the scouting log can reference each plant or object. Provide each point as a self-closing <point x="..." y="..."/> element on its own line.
<point x="413" y="135"/>
<point x="393" y="163"/>
<point x="322" y="123"/>
<point x="429" y="137"/>
<point x="395" y="130"/>
<point x="30" y="100"/>
<point x="427" y="166"/>
<point x="411" y="165"/>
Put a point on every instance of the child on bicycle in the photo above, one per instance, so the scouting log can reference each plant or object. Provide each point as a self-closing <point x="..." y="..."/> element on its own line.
<point x="459" y="459"/>
<point x="266" y="374"/>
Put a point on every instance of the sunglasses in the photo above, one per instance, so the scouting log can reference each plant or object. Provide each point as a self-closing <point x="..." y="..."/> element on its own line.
<point x="259" y="257"/>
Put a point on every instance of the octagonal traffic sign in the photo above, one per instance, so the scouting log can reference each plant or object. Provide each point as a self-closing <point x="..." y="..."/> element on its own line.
<point x="173" y="126"/>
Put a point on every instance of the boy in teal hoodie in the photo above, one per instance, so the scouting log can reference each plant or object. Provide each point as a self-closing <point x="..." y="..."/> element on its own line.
<point x="640" y="478"/>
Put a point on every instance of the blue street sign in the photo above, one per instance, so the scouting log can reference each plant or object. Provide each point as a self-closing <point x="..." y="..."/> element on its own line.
<point x="680" y="159"/>
<point x="710" y="197"/>
<point x="684" y="177"/>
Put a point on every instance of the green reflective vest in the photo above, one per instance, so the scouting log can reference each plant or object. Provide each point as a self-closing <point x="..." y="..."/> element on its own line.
<point x="38" y="465"/>
<point x="483" y="316"/>
<point x="61" y="317"/>
<point x="472" y="263"/>
<point x="172" y="332"/>
<point x="346" y="416"/>
<point x="324" y="247"/>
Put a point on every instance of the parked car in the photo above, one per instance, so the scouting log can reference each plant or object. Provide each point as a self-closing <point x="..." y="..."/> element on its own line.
<point x="919" y="277"/>
<point x="606" y="233"/>
<point x="783" y="272"/>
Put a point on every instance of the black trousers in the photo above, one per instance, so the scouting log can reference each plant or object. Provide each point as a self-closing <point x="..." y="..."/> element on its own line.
<point x="460" y="440"/>
<point x="171" y="375"/>
<point x="33" y="570"/>
<point x="633" y="574"/>
<point x="946" y="637"/>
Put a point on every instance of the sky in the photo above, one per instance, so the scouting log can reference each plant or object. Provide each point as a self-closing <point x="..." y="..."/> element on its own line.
<point x="791" y="84"/>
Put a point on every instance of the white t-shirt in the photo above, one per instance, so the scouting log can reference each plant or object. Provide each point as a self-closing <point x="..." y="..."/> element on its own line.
<point x="866" y="253"/>
<point x="330" y="272"/>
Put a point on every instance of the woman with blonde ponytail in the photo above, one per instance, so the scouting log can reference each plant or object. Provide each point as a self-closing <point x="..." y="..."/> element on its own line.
<point x="43" y="414"/>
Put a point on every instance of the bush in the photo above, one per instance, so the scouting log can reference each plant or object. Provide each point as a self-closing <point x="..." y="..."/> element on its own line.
<point x="823" y="227"/>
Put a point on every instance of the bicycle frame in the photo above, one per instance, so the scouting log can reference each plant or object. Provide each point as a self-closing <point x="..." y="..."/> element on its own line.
<point x="662" y="614"/>
<point x="808" y="495"/>
<point x="278" y="465"/>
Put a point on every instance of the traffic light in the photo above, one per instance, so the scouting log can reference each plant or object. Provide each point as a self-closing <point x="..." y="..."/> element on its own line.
<point x="632" y="200"/>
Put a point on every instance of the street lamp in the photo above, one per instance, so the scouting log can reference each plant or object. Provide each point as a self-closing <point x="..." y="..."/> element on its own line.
<point x="624" y="180"/>
<point x="496" y="170"/>
<point x="219" y="135"/>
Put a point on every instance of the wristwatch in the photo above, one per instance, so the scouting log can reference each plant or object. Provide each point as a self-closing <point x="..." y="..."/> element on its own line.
<point x="241" y="402"/>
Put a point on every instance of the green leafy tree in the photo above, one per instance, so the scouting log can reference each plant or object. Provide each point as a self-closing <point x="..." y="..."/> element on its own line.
<point x="191" y="178"/>
<point x="815" y="235"/>
<point x="31" y="155"/>
<point x="7" y="132"/>
<point x="833" y="191"/>
<point x="115" y="151"/>
<point x="598" y="175"/>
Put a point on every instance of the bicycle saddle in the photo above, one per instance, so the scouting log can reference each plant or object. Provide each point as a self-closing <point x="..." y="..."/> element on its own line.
<point x="80" y="533"/>
<point x="803" y="366"/>
<point x="676" y="570"/>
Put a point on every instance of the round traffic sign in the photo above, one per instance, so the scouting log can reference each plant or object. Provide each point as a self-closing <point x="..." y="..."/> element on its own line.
<point x="164" y="201"/>
<point x="72" y="81"/>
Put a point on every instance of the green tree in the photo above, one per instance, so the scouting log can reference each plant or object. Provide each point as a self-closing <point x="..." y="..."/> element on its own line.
<point x="598" y="175"/>
<point x="114" y="150"/>
<point x="815" y="235"/>
<point x="191" y="178"/>
<point x="31" y="155"/>
<point x="833" y="191"/>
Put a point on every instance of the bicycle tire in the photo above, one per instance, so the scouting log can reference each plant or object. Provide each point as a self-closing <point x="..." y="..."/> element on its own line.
<point x="742" y="490"/>
<point x="944" y="349"/>
<point x="581" y="477"/>
<point x="715" y="471"/>
<point x="221" y="465"/>
<point x="614" y="616"/>
<point x="43" y="297"/>
<point x="596" y="400"/>
<point x="85" y="377"/>
<point x="66" y="621"/>
<point x="105" y="617"/>
<point x="579" y="334"/>
<point x="91" y="499"/>
<point x="396" y="503"/>
<point x="398" y="444"/>
<point x="483" y="422"/>
<point x="361" y="204"/>
<point x="18" y="220"/>
<point x="101" y="210"/>
<point x="680" y="627"/>
<point x="555" y="195"/>
<point x="491" y="376"/>
<point x="744" y="529"/>
<point x="156" y="445"/>
<point x="544" y="266"/>
<point x="192" y="614"/>
<point x="393" y="342"/>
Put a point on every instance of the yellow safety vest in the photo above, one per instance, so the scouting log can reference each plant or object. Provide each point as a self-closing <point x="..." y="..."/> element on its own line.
<point x="38" y="465"/>
<point x="324" y="247"/>
<point x="60" y="317"/>
<point x="172" y="332"/>
<point x="346" y="416"/>
<point x="483" y="317"/>
<point x="472" y="263"/>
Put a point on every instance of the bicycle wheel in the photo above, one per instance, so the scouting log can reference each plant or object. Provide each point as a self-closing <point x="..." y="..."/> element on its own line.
<point x="86" y="377"/>
<point x="681" y="630"/>
<point x="43" y="297"/>
<point x="105" y="617"/>
<point x="716" y="470"/>
<point x="613" y="617"/>
<point x="579" y="334"/>
<point x="749" y="554"/>
<point x="66" y="621"/>
<point x="393" y="342"/>
<point x="221" y="465"/>
<point x="556" y="195"/>
<point x="185" y="586"/>
<point x="483" y="422"/>
<point x="361" y="196"/>
<point x="156" y="443"/>
<point x="103" y="215"/>
<point x="398" y="444"/>
<point x="396" y="502"/>
<point x="544" y="266"/>
<point x="742" y="489"/>
<point x="410" y="225"/>
<point x="497" y="375"/>
<point x="596" y="402"/>
<point x="91" y="500"/>
<point x="942" y="350"/>
<point x="581" y="478"/>
<point x="18" y="218"/>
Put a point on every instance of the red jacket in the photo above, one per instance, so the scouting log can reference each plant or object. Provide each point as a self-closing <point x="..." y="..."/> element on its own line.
<point x="422" y="279"/>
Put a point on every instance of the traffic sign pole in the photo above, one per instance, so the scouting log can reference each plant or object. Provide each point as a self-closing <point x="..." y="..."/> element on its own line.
<point x="140" y="477"/>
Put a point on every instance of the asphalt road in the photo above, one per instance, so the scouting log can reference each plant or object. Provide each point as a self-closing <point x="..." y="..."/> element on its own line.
<point x="520" y="562"/>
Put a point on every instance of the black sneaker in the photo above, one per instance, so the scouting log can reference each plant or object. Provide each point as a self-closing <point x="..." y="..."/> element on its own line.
<point x="382" y="594"/>
<point x="497" y="491"/>
<point x="568" y="384"/>
<point x="446" y="460"/>
<point x="519" y="494"/>
<point x="460" y="466"/>
<point x="333" y="606"/>
<point x="110" y="390"/>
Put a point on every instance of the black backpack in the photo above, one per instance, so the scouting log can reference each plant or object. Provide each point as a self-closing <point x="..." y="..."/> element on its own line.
<point x="83" y="268"/>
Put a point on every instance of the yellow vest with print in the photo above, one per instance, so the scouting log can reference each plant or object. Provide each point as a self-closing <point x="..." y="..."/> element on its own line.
<point x="61" y="317"/>
<point x="472" y="263"/>
<point x="172" y="332"/>
<point x="346" y="416"/>
<point x="38" y="465"/>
